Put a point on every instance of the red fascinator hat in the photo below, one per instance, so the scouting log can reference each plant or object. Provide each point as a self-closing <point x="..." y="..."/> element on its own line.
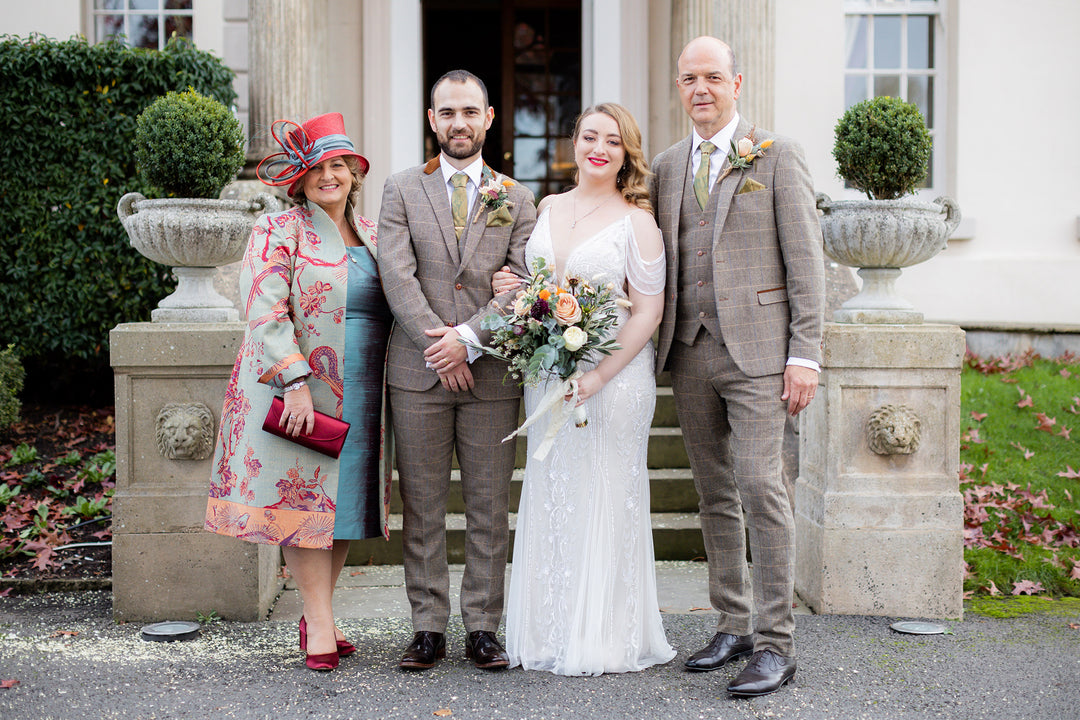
<point x="304" y="146"/>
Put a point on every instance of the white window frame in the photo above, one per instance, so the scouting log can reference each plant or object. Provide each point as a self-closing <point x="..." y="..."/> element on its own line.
<point x="936" y="9"/>
<point x="93" y="12"/>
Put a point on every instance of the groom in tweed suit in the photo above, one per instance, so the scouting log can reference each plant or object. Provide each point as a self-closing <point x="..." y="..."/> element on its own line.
<point x="741" y="335"/>
<point x="439" y="244"/>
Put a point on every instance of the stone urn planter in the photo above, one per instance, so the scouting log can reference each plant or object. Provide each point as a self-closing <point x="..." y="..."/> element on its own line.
<point x="194" y="237"/>
<point x="880" y="237"/>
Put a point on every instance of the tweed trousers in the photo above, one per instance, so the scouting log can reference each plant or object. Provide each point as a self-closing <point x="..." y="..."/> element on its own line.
<point x="428" y="427"/>
<point x="733" y="427"/>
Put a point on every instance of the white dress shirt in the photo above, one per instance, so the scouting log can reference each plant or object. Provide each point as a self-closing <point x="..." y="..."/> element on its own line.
<point x="472" y="188"/>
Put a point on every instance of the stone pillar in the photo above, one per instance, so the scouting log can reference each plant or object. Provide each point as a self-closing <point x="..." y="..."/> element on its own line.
<point x="749" y="27"/>
<point x="879" y="514"/>
<point x="170" y="378"/>
<point x="286" y="69"/>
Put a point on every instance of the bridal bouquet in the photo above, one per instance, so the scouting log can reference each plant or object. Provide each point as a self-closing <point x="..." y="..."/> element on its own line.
<point x="550" y="330"/>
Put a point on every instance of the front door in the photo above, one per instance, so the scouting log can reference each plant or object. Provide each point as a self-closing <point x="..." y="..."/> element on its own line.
<point x="528" y="53"/>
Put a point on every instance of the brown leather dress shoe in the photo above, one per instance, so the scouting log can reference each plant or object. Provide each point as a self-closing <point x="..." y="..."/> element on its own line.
<point x="485" y="651"/>
<point x="721" y="650"/>
<point x="425" y="648"/>
<point x="766" y="673"/>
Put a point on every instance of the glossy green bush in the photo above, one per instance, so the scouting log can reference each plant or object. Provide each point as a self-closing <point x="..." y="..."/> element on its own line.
<point x="882" y="147"/>
<point x="188" y="145"/>
<point x="11" y="384"/>
<point x="67" y="271"/>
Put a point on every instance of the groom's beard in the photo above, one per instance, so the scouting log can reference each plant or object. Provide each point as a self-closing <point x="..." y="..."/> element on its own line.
<point x="460" y="152"/>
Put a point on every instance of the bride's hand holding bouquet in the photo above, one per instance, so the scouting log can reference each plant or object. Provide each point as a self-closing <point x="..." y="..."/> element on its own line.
<point x="548" y="332"/>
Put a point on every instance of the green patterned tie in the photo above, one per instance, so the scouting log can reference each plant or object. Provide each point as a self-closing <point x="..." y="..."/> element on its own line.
<point x="701" y="177"/>
<point x="459" y="201"/>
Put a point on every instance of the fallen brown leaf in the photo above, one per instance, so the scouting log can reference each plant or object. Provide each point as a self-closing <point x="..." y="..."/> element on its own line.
<point x="5" y="684"/>
<point x="443" y="712"/>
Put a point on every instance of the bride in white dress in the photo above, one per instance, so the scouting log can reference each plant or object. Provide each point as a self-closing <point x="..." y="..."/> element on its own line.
<point x="583" y="585"/>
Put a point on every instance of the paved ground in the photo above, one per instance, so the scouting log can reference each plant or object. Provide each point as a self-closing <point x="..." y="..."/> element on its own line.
<point x="72" y="661"/>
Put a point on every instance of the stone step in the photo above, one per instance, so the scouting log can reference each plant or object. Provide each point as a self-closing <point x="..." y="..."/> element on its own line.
<point x="670" y="490"/>
<point x="676" y="536"/>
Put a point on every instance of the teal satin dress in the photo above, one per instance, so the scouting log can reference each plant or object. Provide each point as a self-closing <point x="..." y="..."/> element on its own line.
<point x="367" y="329"/>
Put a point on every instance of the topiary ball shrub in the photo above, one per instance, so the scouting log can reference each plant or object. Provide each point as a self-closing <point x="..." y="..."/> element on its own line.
<point x="882" y="147"/>
<point x="11" y="384"/>
<point x="188" y="145"/>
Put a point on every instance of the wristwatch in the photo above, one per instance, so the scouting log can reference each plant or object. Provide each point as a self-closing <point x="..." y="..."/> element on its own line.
<point x="295" y="386"/>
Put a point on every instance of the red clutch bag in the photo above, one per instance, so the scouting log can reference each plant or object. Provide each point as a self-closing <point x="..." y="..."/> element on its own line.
<point x="327" y="437"/>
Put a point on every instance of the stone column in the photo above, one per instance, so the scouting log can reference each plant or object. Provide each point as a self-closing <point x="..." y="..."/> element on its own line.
<point x="749" y="27"/>
<point x="878" y="510"/>
<point x="287" y="67"/>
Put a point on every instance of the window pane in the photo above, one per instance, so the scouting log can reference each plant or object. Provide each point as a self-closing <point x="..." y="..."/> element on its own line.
<point x="854" y="89"/>
<point x="144" y="31"/>
<point x="887" y="41"/>
<point x="566" y="109"/>
<point x="530" y="157"/>
<point x="920" y="90"/>
<point x="855" y="46"/>
<point x="920" y="49"/>
<point x="562" y="154"/>
<point x="179" y="24"/>
<point x="532" y="83"/>
<point x="109" y="4"/>
<point x="177" y="4"/>
<point x="144" y="4"/>
<point x="529" y="118"/>
<point x="106" y="26"/>
<point x="887" y="85"/>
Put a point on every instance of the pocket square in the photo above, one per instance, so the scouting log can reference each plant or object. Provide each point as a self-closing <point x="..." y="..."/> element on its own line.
<point x="500" y="217"/>
<point x="751" y="185"/>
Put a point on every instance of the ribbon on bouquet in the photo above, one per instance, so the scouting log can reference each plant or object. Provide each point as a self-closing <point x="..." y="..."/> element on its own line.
<point x="552" y="402"/>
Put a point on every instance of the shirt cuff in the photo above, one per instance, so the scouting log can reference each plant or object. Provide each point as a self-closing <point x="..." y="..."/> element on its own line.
<point x="467" y="332"/>
<point x="803" y="362"/>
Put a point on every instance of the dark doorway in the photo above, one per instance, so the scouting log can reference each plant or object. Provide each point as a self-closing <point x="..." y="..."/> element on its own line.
<point x="528" y="53"/>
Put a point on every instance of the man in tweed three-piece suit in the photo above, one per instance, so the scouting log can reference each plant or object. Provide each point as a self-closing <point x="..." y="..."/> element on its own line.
<point x="741" y="335"/>
<point x="440" y="242"/>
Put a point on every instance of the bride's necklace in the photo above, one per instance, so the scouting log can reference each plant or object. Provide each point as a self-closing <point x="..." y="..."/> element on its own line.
<point x="573" y="208"/>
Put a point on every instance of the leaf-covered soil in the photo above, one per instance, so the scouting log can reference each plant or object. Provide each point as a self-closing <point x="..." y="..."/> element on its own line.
<point x="1020" y="475"/>
<point x="57" y="475"/>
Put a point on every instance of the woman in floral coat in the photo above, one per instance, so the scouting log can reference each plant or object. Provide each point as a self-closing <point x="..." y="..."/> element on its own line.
<point x="317" y="330"/>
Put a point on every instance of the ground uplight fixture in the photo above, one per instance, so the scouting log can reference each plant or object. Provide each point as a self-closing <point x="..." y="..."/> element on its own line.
<point x="170" y="631"/>
<point x="916" y="627"/>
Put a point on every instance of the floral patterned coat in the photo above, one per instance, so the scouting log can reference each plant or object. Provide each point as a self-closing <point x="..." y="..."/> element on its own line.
<point x="263" y="488"/>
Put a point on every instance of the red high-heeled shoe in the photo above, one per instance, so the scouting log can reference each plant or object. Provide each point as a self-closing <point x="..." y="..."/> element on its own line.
<point x="326" y="661"/>
<point x="344" y="647"/>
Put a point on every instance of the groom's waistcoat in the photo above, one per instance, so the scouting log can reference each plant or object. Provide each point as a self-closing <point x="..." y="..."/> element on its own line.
<point x="697" y="296"/>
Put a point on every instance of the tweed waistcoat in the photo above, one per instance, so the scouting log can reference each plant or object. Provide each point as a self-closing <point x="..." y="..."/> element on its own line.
<point x="697" y="297"/>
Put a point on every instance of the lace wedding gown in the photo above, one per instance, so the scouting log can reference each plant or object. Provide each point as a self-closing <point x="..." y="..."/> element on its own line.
<point x="583" y="586"/>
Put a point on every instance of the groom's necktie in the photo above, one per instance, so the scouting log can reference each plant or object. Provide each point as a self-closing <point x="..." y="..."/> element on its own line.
<point x="459" y="201"/>
<point x="701" y="177"/>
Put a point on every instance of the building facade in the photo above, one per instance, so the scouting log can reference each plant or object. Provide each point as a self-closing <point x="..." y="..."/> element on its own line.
<point x="1002" y="102"/>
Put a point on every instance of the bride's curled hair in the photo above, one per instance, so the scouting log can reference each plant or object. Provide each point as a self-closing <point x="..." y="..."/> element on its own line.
<point x="635" y="171"/>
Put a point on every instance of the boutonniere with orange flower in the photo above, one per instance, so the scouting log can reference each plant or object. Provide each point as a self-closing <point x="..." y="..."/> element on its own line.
<point x="744" y="152"/>
<point x="493" y="197"/>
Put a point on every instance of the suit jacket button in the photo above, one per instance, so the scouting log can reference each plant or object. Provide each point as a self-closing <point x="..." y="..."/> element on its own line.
<point x="700" y="283"/>
<point x="449" y="324"/>
<point x="702" y="222"/>
<point x="700" y="253"/>
<point x="458" y="286"/>
<point x="701" y="314"/>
